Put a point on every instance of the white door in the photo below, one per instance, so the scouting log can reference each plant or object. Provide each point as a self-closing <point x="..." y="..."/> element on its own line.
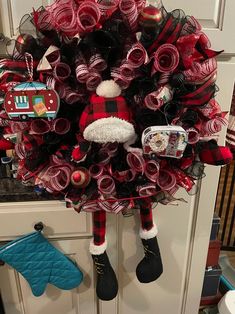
<point x="183" y="229"/>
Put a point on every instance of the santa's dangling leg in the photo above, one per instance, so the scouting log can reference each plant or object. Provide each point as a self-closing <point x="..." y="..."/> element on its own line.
<point x="106" y="284"/>
<point x="150" y="267"/>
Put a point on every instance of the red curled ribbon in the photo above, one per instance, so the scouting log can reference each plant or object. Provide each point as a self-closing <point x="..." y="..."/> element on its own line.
<point x="140" y="4"/>
<point x="60" y="126"/>
<point x="166" y="180"/>
<point x="213" y="126"/>
<point x="193" y="136"/>
<point x="157" y="99"/>
<point x="137" y="56"/>
<point x="211" y="109"/>
<point x="88" y="16"/>
<point x="56" y="176"/>
<point x="136" y="162"/>
<point x="97" y="63"/>
<point x="106" y="185"/>
<point x="127" y="71"/>
<point x="201" y="71"/>
<point x="129" y="12"/>
<point x="41" y="126"/>
<point x="120" y="79"/>
<point x="96" y="171"/>
<point x="65" y="19"/>
<point x="147" y="189"/>
<point x="152" y="168"/>
<point x="18" y="126"/>
<point x="54" y="58"/>
<point x="71" y="96"/>
<point x="89" y="74"/>
<point x="61" y="72"/>
<point x="166" y="58"/>
<point x="107" y="8"/>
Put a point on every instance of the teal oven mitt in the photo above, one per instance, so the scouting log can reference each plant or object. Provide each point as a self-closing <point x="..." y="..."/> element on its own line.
<point x="41" y="263"/>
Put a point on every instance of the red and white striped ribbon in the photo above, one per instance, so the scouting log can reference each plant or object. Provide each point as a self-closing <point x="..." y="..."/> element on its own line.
<point x="61" y="71"/>
<point x="137" y="56"/>
<point x="40" y="126"/>
<point x="127" y="71"/>
<point x="97" y="63"/>
<point x="88" y="16"/>
<point x="129" y="13"/>
<point x="166" y="58"/>
<point x="157" y="99"/>
<point x="147" y="189"/>
<point x="136" y="162"/>
<point x="60" y="126"/>
<point x="140" y="4"/>
<point x="152" y="168"/>
<point x="193" y="135"/>
<point x="111" y="205"/>
<point x="107" y="7"/>
<point x="120" y="79"/>
<point x="96" y="171"/>
<point x="166" y="180"/>
<point x="65" y="19"/>
<point x="106" y="185"/>
<point x="213" y="126"/>
<point x="93" y="80"/>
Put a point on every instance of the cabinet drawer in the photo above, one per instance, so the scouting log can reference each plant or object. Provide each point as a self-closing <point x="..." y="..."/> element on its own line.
<point x="17" y="219"/>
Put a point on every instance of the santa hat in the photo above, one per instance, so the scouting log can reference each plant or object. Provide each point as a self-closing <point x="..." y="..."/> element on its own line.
<point x="107" y="118"/>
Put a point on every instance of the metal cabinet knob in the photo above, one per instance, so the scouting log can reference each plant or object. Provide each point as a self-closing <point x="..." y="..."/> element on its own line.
<point x="38" y="226"/>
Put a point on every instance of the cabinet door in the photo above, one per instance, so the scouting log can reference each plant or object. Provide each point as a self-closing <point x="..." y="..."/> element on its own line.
<point x="183" y="239"/>
<point x="18" y="298"/>
<point x="216" y="17"/>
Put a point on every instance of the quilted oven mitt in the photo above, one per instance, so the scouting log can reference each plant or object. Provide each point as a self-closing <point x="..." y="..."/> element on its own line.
<point x="41" y="263"/>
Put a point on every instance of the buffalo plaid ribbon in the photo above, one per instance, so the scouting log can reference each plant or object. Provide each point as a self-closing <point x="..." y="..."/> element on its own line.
<point x="213" y="154"/>
<point x="200" y="96"/>
<point x="146" y="214"/>
<point x="170" y="31"/>
<point x="99" y="227"/>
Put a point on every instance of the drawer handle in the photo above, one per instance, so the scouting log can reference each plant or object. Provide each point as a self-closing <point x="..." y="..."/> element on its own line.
<point x="38" y="226"/>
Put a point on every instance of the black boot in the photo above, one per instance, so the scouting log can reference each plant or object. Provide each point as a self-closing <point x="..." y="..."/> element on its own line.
<point x="106" y="285"/>
<point x="150" y="268"/>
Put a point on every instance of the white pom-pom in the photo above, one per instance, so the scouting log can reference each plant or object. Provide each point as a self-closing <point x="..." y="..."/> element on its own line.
<point x="108" y="89"/>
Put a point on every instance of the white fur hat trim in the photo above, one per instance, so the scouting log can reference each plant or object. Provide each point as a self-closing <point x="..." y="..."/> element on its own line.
<point x="108" y="89"/>
<point x="110" y="129"/>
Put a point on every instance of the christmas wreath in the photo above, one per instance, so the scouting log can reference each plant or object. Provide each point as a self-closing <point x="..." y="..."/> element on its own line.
<point x="112" y="103"/>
